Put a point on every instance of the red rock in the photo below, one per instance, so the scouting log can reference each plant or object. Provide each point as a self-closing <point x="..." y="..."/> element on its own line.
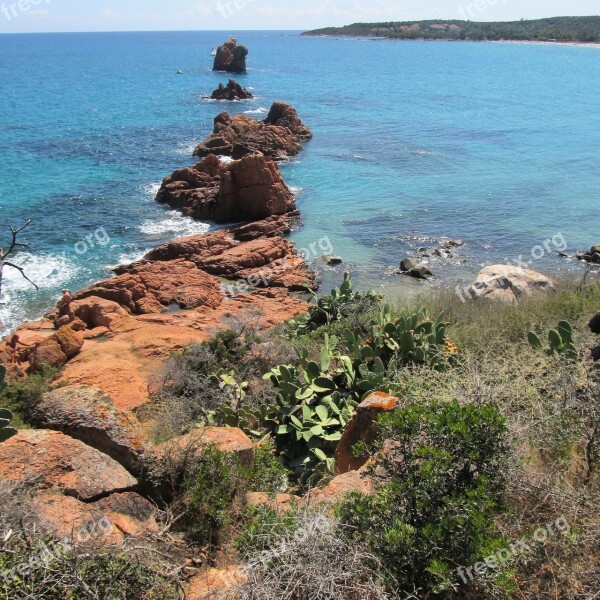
<point x="98" y="312"/>
<point x="341" y="486"/>
<point x="47" y="353"/>
<point x="285" y="115"/>
<point x="232" y="91"/>
<point x="226" y="439"/>
<point x="248" y="189"/>
<point x="231" y="57"/>
<point x="362" y="429"/>
<point x="145" y="287"/>
<point x="278" y="136"/>
<point x="69" y="340"/>
<point x="89" y="415"/>
<point x="216" y="583"/>
<point x="55" y="461"/>
<point x="110" y="520"/>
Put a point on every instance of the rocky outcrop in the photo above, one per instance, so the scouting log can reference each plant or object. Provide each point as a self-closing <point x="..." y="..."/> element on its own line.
<point x="80" y="493"/>
<point x="146" y="288"/>
<point x="285" y="115"/>
<point x="231" y="57"/>
<point x="414" y="268"/>
<point x="362" y="428"/>
<point x="232" y="91"/>
<point x="259" y="262"/>
<point x="248" y="189"/>
<point x="591" y="256"/>
<point x="278" y="136"/>
<point x="509" y="283"/>
<point x="54" y="461"/>
<point x="57" y="349"/>
<point x="89" y="415"/>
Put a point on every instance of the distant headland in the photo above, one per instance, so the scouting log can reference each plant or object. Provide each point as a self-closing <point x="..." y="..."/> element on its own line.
<point x="557" y="29"/>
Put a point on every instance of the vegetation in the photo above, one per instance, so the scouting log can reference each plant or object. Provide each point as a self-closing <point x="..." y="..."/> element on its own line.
<point x="560" y="29"/>
<point x="33" y="566"/>
<point x="497" y="433"/>
<point x="445" y="468"/>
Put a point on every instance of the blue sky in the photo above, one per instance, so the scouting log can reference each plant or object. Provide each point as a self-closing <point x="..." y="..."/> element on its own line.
<point x="18" y="16"/>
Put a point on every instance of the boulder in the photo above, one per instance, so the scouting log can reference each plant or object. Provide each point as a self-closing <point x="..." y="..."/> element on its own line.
<point x="226" y="439"/>
<point x="340" y="486"/>
<point x="110" y="520"/>
<point x="54" y="461"/>
<point x="98" y="312"/>
<point x="231" y="57"/>
<point x="408" y="264"/>
<point x="509" y="283"/>
<point x="232" y="91"/>
<point x="278" y="136"/>
<point x="149" y="287"/>
<point x="47" y="354"/>
<point x="89" y="415"/>
<point x="331" y="260"/>
<point x="249" y="189"/>
<point x="70" y="341"/>
<point x="361" y="428"/>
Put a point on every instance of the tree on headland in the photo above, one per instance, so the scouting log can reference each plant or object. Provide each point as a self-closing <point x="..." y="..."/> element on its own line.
<point x="5" y="254"/>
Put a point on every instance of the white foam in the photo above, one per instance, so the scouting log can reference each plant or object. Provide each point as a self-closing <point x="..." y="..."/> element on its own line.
<point x="176" y="225"/>
<point x="186" y="148"/>
<point x="225" y="159"/>
<point x="295" y="189"/>
<point x="47" y="271"/>
<point x="152" y="189"/>
<point x="256" y="111"/>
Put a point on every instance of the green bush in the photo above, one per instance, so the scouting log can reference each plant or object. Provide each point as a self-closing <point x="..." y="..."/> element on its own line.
<point x="217" y="487"/>
<point x="445" y="467"/>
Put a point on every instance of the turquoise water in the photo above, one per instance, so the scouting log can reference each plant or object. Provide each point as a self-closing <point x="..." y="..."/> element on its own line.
<point x="496" y="144"/>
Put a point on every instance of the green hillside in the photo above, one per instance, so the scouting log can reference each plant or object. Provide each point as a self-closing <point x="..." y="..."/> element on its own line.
<point x="561" y="29"/>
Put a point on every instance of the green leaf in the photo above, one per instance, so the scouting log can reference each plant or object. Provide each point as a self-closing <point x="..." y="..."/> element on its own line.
<point x="322" y="413"/>
<point x="534" y="340"/>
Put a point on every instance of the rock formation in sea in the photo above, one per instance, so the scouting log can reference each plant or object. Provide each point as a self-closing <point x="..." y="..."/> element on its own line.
<point x="278" y="136"/>
<point x="248" y="189"/>
<point x="231" y="57"/>
<point x="232" y="91"/>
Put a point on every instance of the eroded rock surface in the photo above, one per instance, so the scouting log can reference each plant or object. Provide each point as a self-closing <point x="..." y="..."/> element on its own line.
<point x="231" y="57"/>
<point x="231" y="92"/>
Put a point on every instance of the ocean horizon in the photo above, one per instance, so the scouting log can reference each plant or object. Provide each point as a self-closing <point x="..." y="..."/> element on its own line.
<point x="494" y="144"/>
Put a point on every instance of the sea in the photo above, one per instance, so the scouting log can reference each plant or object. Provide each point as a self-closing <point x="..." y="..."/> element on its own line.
<point x="494" y="144"/>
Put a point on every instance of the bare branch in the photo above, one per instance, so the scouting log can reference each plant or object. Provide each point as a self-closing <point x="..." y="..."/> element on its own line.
<point x="22" y="273"/>
<point x="11" y="248"/>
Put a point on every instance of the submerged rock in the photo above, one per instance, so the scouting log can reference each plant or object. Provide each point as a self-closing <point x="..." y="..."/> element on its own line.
<point x="278" y="136"/>
<point x="231" y="57"/>
<point x="232" y="91"/>
<point x="331" y="260"/>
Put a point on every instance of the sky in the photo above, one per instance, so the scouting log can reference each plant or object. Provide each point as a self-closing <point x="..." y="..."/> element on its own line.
<point x="23" y="16"/>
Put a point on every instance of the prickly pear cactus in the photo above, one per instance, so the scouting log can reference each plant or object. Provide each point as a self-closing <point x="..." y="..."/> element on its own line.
<point x="560" y="341"/>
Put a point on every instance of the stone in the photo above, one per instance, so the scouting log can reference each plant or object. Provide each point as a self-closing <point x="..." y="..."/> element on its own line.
<point x="89" y="415"/>
<point x="249" y="189"/>
<point x="279" y="136"/>
<point x="231" y="57"/>
<point x="47" y="354"/>
<point x="595" y="249"/>
<point x="150" y="287"/>
<point x="70" y="341"/>
<point x="420" y="272"/>
<point x="361" y="428"/>
<point x="232" y="91"/>
<point x="226" y="439"/>
<point x="98" y="312"/>
<point x="110" y="520"/>
<point x="57" y="462"/>
<point x="216" y="583"/>
<point x="595" y="258"/>
<point x="408" y="264"/>
<point x="340" y="486"/>
<point x="509" y="283"/>
<point x="331" y="260"/>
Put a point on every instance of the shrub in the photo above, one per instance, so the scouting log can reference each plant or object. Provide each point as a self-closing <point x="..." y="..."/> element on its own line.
<point x="217" y="487"/>
<point x="443" y="467"/>
<point x="305" y="555"/>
